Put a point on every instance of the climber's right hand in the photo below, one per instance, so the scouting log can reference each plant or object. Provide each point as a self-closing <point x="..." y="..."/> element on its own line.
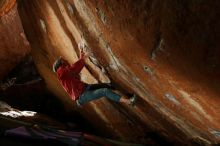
<point x="83" y="55"/>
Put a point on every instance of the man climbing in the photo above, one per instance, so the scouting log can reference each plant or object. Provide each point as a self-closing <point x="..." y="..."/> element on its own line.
<point x="81" y="92"/>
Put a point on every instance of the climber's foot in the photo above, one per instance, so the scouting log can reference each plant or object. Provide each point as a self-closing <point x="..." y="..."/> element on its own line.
<point x="133" y="100"/>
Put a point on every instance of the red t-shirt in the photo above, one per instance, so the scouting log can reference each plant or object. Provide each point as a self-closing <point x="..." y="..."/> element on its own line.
<point x="70" y="79"/>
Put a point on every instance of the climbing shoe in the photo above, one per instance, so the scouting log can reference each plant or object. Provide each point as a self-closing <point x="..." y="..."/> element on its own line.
<point x="133" y="100"/>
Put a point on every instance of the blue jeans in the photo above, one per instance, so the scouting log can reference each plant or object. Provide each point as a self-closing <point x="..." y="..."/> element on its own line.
<point x="96" y="91"/>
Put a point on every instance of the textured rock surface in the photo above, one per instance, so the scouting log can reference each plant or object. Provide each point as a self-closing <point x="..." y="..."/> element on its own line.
<point x="13" y="44"/>
<point x="6" y="6"/>
<point x="165" y="51"/>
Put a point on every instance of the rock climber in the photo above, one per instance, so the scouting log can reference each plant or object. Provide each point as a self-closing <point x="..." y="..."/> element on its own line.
<point x="81" y="92"/>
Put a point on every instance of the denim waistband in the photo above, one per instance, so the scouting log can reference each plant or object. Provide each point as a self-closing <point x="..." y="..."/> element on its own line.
<point x="87" y="87"/>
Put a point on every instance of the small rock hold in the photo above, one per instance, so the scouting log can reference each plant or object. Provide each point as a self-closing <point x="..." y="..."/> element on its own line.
<point x="172" y="98"/>
<point x="101" y="15"/>
<point x="43" y="25"/>
<point x="148" y="70"/>
<point x="70" y="8"/>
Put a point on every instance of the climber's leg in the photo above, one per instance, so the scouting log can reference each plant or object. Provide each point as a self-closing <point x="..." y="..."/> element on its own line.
<point x="90" y="95"/>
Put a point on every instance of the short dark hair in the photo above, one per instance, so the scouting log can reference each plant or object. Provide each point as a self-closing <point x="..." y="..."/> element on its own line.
<point x="57" y="64"/>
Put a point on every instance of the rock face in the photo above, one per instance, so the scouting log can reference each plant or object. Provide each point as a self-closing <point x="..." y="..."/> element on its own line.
<point x="13" y="44"/>
<point x="167" y="52"/>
